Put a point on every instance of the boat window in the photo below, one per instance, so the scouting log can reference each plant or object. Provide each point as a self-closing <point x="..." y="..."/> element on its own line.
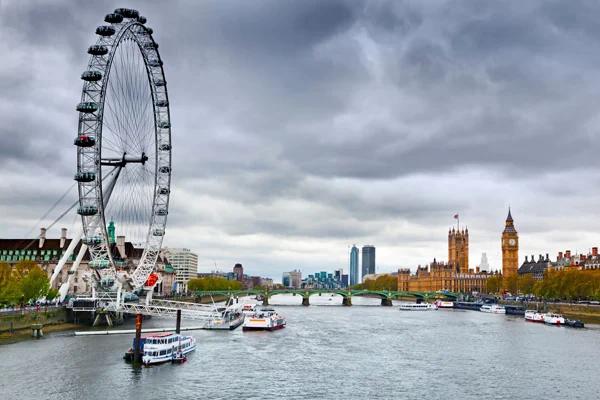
<point x="168" y="351"/>
<point x="163" y="352"/>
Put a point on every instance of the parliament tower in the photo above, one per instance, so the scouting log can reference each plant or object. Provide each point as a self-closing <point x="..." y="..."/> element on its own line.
<point x="510" y="247"/>
<point x="458" y="250"/>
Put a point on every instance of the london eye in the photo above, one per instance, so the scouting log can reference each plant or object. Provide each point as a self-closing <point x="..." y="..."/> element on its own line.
<point x="123" y="149"/>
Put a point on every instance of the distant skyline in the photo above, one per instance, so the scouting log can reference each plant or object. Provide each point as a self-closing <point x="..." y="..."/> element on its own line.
<point x="300" y="128"/>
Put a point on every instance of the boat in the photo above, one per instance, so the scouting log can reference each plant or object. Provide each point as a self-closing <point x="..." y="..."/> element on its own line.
<point x="162" y="347"/>
<point x="515" y="310"/>
<point x="265" y="319"/>
<point x="574" y="323"/>
<point x="444" y="304"/>
<point x="534" y="316"/>
<point x="249" y="309"/>
<point x="467" y="305"/>
<point x="179" y="358"/>
<point x="228" y="319"/>
<point x="493" y="309"/>
<point x="417" y="307"/>
<point x="553" y="319"/>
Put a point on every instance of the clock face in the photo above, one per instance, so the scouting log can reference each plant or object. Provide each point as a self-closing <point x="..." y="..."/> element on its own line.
<point x="512" y="242"/>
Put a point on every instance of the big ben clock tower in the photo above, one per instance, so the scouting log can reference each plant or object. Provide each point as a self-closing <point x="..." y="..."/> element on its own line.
<point x="510" y="247"/>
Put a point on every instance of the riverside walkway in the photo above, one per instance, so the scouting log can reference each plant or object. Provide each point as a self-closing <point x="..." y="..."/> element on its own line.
<point x="347" y="294"/>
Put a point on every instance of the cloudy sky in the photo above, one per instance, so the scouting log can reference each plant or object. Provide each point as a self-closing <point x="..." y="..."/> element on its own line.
<point x="302" y="127"/>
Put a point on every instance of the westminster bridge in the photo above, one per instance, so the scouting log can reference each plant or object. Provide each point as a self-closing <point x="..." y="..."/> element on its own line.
<point x="386" y="296"/>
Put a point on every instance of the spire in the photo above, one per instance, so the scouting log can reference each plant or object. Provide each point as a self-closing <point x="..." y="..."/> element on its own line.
<point x="509" y="218"/>
<point x="111" y="232"/>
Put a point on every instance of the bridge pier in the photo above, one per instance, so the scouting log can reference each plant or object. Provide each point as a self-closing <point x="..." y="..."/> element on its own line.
<point x="266" y="301"/>
<point x="305" y="301"/>
<point x="347" y="301"/>
<point x="36" y="331"/>
<point x="386" y="302"/>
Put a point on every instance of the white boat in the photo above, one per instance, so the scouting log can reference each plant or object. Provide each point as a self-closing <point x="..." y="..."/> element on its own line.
<point x="444" y="304"/>
<point x="249" y="309"/>
<point x="493" y="309"/>
<point x="417" y="307"/>
<point x="534" y="316"/>
<point x="229" y="318"/>
<point x="265" y="319"/>
<point x="553" y="319"/>
<point x="162" y="347"/>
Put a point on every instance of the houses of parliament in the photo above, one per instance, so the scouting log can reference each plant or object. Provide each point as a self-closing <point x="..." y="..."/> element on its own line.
<point x="455" y="275"/>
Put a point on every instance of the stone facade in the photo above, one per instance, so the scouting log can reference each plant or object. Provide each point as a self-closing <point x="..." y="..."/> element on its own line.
<point x="458" y="249"/>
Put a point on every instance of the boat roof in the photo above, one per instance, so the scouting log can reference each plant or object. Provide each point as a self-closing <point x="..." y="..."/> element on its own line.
<point x="267" y="309"/>
<point x="157" y="335"/>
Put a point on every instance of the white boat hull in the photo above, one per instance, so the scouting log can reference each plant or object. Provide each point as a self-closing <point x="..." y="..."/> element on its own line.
<point x="417" y="307"/>
<point x="493" y="309"/>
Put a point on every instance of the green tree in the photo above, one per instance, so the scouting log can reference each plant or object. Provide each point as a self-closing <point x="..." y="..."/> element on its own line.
<point x="512" y="283"/>
<point x="52" y="294"/>
<point x="494" y="283"/>
<point x="35" y="285"/>
<point x="22" y="268"/>
<point x="10" y="293"/>
<point x="5" y="274"/>
<point x="213" y="283"/>
<point x="526" y="283"/>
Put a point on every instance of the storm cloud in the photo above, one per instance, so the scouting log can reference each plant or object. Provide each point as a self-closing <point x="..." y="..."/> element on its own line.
<point x="300" y="128"/>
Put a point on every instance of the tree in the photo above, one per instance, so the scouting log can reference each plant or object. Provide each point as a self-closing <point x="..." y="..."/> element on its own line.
<point x="10" y="293"/>
<point x="494" y="283"/>
<point x="512" y="283"/>
<point x="52" y="294"/>
<point x="22" y="268"/>
<point x="526" y="283"/>
<point x="5" y="274"/>
<point x="213" y="283"/>
<point x="35" y="285"/>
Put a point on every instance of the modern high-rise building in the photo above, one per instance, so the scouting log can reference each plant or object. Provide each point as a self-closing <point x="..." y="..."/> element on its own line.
<point x="368" y="260"/>
<point x="185" y="263"/>
<point x="238" y="271"/>
<point x="354" y="266"/>
<point x="286" y="280"/>
<point x="296" y="278"/>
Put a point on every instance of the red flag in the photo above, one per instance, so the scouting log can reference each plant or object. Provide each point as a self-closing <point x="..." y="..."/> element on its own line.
<point x="456" y="216"/>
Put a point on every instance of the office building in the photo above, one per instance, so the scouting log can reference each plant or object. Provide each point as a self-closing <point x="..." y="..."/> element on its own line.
<point x="354" y="266"/>
<point x="185" y="263"/>
<point x="368" y="260"/>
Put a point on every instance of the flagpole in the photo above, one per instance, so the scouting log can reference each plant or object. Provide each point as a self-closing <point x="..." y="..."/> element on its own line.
<point x="458" y="222"/>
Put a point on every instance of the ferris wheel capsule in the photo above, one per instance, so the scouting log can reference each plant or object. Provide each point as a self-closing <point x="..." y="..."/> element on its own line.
<point x="113" y="18"/>
<point x="105" y="30"/>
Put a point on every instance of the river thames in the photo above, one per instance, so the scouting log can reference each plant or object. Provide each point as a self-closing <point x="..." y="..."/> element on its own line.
<point x="326" y="352"/>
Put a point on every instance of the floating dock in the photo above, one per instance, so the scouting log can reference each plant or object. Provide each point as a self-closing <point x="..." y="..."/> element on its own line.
<point x="130" y="331"/>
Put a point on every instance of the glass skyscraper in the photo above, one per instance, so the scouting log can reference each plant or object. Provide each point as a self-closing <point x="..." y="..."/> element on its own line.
<point x="368" y="260"/>
<point x="354" y="266"/>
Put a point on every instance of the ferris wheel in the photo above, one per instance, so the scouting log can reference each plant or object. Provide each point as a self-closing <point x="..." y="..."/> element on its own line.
<point x="123" y="146"/>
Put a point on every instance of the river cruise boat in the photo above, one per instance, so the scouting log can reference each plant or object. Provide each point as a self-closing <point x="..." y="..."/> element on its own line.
<point x="553" y="319"/>
<point x="493" y="309"/>
<point x="229" y="318"/>
<point x="444" y="304"/>
<point x="417" y="307"/>
<point x="163" y="347"/>
<point x="265" y="319"/>
<point x="249" y="309"/>
<point x="534" y="316"/>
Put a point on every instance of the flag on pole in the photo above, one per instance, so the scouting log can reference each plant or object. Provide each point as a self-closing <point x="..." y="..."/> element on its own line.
<point x="456" y="216"/>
